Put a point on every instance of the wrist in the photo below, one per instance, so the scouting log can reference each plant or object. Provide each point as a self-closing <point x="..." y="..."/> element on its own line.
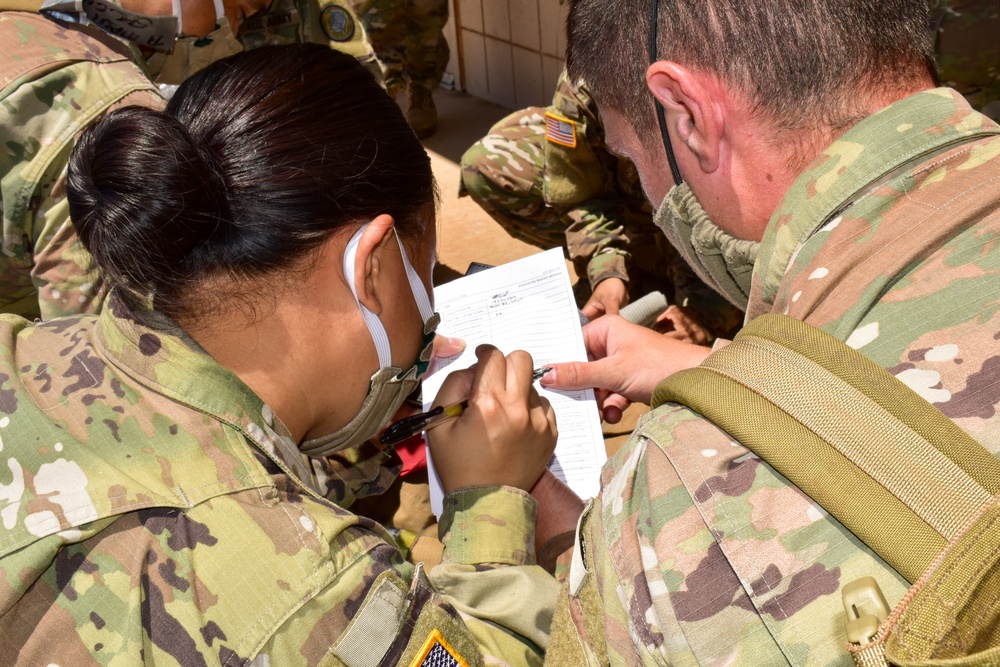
<point x="489" y="524"/>
<point x="606" y="264"/>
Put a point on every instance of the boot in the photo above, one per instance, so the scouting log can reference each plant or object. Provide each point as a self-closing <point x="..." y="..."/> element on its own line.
<point x="421" y="113"/>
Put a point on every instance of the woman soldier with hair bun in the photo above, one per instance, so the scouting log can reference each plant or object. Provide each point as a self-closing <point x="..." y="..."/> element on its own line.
<point x="269" y="238"/>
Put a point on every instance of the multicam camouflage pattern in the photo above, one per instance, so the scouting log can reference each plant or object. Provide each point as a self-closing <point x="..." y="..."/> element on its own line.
<point x="330" y="22"/>
<point x="700" y="551"/>
<point x="926" y="310"/>
<point x="582" y="198"/>
<point x="56" y="79"/>
<point x="156" y="510"/>
<point x="408" y="38"/>
<point x="703" y="555"/>
<point x="968" y="51"/>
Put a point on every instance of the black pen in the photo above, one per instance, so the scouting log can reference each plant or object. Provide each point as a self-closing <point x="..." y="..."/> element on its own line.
<point x="409" y="426"/>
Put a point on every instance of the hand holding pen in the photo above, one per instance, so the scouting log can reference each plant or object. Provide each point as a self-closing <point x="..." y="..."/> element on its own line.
<point x="407" y="427"/>
<point x="507" y="432"/>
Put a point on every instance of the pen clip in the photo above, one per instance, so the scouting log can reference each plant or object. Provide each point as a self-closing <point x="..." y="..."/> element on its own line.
<point x="407" y="426"/>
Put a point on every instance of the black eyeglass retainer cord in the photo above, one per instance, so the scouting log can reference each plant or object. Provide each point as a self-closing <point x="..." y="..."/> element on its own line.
<point x="654" y="6"/>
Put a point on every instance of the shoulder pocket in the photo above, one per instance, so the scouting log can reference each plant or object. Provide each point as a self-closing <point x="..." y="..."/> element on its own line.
<point x="573" y="174"/>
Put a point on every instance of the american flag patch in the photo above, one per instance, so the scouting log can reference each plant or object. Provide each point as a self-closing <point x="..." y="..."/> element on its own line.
<point x="437" y="652"/>
<point x="560" y="130"/>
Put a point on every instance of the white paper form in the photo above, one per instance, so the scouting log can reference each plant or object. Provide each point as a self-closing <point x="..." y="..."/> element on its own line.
<point x="526" y="305"/>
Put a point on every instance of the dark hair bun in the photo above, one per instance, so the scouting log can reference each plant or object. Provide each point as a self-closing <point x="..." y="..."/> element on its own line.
<point x="256" y="162"/>
<point x="143" y="197"/>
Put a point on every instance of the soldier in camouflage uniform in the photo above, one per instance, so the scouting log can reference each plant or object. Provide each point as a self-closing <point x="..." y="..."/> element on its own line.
<point x="551" y="192"/>
<point x="156" y="508"/>
<point x="67" y="75"/>
<point x="408" y="39"/>
<point x="697" y="551"/>
<point x="545" y="174"/>
<point x="330" y="22"/>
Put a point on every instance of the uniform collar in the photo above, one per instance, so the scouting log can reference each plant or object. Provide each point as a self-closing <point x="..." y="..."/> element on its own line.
<point x="167" y="361"/>
<point x="880" y="144"/>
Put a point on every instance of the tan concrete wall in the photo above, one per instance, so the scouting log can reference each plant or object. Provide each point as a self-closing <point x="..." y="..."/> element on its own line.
<point x="508" y="52"/>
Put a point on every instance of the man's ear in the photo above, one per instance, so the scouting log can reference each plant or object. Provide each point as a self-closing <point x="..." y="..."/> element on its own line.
<point x="376" y="240"/>
<point x="693" y="118"/>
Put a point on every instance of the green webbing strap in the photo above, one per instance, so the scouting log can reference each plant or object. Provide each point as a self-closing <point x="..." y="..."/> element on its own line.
<point x="952" y="617"/>
<point x="879" y="458"/>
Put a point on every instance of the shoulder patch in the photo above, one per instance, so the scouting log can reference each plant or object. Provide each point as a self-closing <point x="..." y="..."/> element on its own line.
<point x="560" y="130"/>
<point x="437" y="652"/>
<point x="337" y="22"/>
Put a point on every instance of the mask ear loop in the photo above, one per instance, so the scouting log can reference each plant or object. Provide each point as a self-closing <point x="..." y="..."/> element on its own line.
<point x="179" y="14"/>
<point x="416" y="284"/>
<point x="654" y="10"/>
<point x="372" y="321"/>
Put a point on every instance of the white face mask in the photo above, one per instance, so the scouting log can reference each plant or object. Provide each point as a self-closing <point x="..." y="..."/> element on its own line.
<point x="390" y="385"/>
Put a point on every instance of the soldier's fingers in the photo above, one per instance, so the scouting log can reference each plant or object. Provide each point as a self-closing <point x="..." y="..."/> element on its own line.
<point x="592" y="309"/>
<point x="613" y="407"/>
<point x="600" y="374"/>
<point x="491" y="373"/>
<point x="595" y="337"/>
<point x="519" y="373"/>
<point x="456" y="387"/>
<point x="550" y="416"/>
<point x="445" y="347"/>
<point x="609" y="296"/>
<point x="570" y="375"/>
<point x="534" y="398"/>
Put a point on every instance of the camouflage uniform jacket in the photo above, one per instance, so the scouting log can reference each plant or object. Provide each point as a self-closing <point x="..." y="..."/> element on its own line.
<point x="605" y="189"/>
<point x="577" y="194"/>
<point x="331" y="22"/>
<point x="699" y="552"/>
<point x="56" y="79"/>
<point x="156" y="511"/>
<point x="549" y="193"/>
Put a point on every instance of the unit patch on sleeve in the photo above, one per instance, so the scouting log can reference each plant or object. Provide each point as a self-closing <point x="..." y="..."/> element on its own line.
<point x="337" y="23"/>
<point x="560" y="130"/>
<point x="437" y="652"/>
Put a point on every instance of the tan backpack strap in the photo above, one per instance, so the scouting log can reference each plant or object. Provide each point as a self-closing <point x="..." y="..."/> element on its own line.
<point x="879" y="458"/>
<point x="952" y="615"/>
